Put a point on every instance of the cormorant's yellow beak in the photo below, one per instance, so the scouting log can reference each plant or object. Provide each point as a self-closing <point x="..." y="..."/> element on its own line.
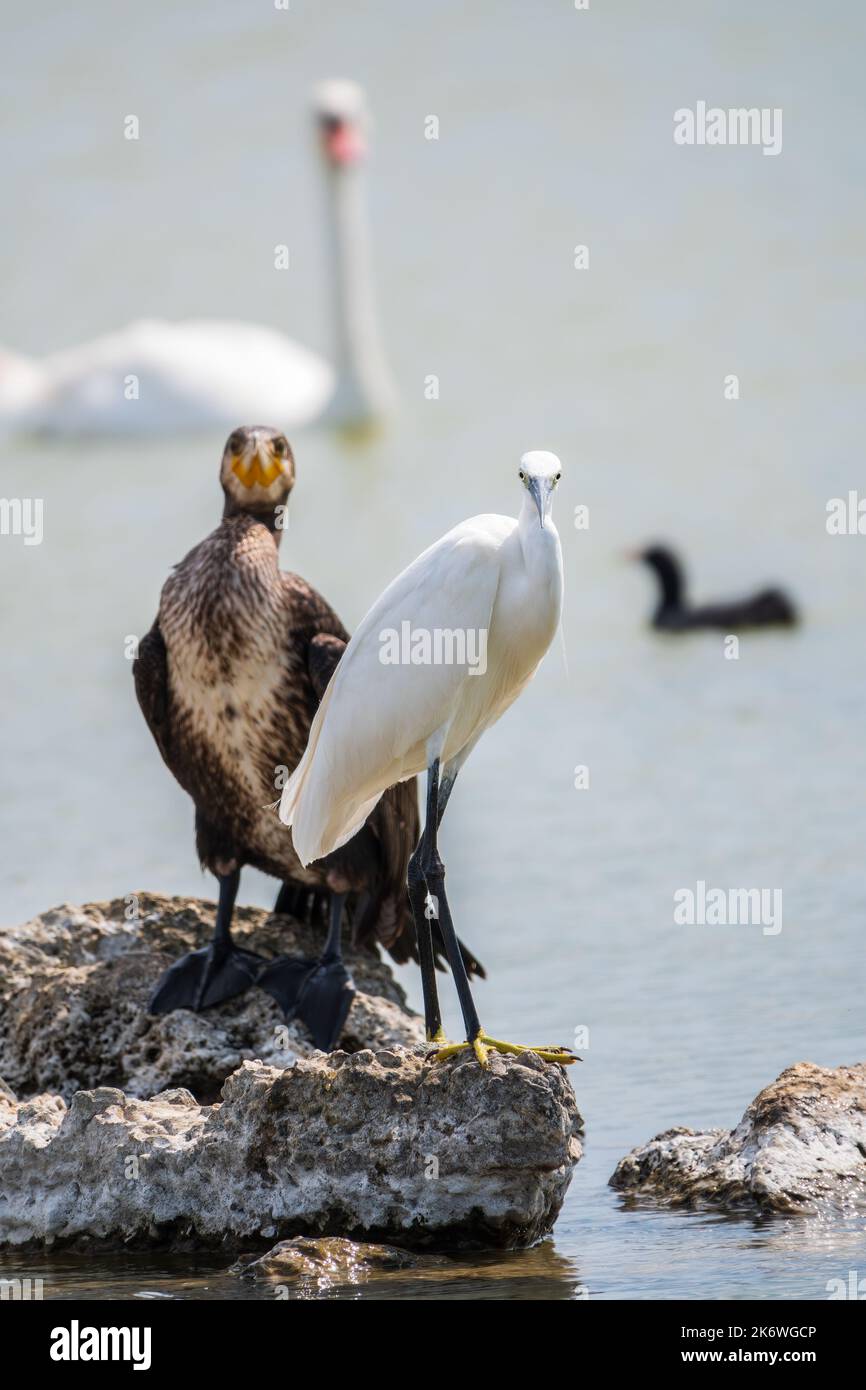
<point x="263" y="471"/>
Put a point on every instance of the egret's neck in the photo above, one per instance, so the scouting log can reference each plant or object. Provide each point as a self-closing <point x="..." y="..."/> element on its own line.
<point x="363" y="391"/>
<point x="542" y="553"/>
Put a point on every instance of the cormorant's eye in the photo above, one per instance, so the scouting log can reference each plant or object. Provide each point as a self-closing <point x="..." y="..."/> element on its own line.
<point x="237" y="441"/>
<point x="280" y="447"/>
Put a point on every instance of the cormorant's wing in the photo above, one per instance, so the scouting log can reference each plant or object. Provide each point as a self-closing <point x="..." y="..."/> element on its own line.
<point x="150" y="673"/>
<point x="323" y="657"/>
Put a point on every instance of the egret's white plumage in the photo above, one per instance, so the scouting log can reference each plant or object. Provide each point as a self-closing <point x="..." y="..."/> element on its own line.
<point x="155" y="377"/>
<point x="378" y="724"/>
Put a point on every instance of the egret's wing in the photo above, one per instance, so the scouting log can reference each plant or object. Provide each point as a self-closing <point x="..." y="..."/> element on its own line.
<point x="375" y="718"/>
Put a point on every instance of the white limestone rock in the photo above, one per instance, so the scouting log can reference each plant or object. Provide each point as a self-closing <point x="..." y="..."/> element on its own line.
<point x="379" y="1146"/>
<point x="800" y="1147"/>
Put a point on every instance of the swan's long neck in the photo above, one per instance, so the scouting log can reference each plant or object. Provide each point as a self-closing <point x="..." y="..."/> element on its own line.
<point x="363" y="392"/>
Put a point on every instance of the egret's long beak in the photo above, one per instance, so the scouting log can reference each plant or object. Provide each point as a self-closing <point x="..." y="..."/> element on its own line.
<point x="257" y="466"/>
<point x="540" y="491"/>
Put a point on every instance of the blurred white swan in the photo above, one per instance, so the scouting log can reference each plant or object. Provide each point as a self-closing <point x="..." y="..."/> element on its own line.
<point x="156" y="377"/>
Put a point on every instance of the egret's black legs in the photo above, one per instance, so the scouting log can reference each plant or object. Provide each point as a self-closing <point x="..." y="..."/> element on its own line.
<point x="438" y="792"/>
<point x="446" y="787"/>
<point x="423" y="932"/>
<point x="432" y="868"/>
<point x="423" y="909"/>
<point x="428" y="900"/>
<point x="434" y="875"/>
<point x="318" y="992"/>
<point x="217" y="972"/>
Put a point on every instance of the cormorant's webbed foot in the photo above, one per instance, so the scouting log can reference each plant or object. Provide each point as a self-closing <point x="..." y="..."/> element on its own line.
<point x="206" y="977"/>
<point x="318" y="992"/>
<point x="217" y="972"/>
<point x="482" y="1043"/>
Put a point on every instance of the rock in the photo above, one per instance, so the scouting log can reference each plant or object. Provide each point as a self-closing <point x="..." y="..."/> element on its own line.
<point x="314" y="1266"/>
<point x="74" y="985"/>
<point x="308" y="1267"/>
<point x="800" y="1146"/>
<point x="379" y="1146"/>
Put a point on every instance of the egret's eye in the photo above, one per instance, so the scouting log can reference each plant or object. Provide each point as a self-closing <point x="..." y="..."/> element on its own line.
<point x="522" y="476"/>
<point x="557" y="478"/>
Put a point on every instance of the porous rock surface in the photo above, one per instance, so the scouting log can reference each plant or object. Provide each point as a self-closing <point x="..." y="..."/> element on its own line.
<point x="381" y="1146"/>
<point x="800" y="1147"/>
<point x="75" y="981"/>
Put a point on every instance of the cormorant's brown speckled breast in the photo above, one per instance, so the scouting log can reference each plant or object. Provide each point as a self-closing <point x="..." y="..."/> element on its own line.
<point x="237" y="633"/>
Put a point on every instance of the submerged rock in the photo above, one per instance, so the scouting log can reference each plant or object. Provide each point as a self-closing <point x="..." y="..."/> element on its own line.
<point x="321" y="1267"/>
<point x="801" y="1145"/>
<point x="74" y="986"/>
<point x="381" y="1146"/>
<point x="315" y="1265"/>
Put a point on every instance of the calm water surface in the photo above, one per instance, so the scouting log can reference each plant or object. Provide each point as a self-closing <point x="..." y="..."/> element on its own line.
<point x="555" y="129"/>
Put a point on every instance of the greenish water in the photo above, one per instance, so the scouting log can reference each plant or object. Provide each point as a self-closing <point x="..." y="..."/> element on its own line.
<point x="555" y="129"/>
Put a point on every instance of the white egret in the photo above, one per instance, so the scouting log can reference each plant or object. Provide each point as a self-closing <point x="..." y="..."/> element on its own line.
<point x="155" y="377"/>
<point x="491" y="587"/>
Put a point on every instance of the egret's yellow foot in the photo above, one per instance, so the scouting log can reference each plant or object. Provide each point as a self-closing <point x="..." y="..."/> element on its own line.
<point x="482" y="1044"/>
<point x="445" y="1049"/>
<point x="437" y="1037"/>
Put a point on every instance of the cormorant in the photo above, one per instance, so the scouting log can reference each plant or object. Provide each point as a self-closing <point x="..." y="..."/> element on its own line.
<point x="673" y="613"/>
<point x="229" y="679"/>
